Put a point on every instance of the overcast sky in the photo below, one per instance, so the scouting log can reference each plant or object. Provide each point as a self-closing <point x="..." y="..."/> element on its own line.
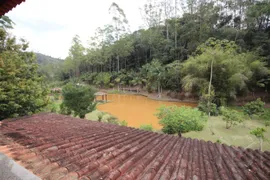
<point x="50" y="25"/>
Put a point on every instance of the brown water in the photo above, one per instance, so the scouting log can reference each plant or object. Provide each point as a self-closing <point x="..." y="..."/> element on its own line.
<point x="135" y="109"/>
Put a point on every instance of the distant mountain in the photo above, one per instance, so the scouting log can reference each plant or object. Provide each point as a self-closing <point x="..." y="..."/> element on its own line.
<point x="43" y="59"/>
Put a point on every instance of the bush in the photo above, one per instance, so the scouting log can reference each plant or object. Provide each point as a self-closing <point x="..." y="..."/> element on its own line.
<point x="100" y="116"/>
<point x="102" y="79"/>
<point x="147" y="127"/>
<point x="123" y="123"/>
<point x="232" y="117"/>
<point x="202" y="106"/>
<point x="259" y="133"/>
<point x="181" y="119"/>
<point x="78" y="100"/>
<point x="254" y="107"/>
<point x="266" y="117"/>
<point x="56" y="96"/>
<point x="113" y="120"/>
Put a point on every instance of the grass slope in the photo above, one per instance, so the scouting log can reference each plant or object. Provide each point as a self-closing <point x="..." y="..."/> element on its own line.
<point x="238" y="135"/>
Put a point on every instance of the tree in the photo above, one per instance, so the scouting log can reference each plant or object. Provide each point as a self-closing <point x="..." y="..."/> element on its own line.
<point x="77" y="99"/>
<point x="6" y="22"/>
<point x="155" y="73"/>
<point x="259" y="133"/>
<point x="180" y="119"/>
<point x="231" y="71"/>
<point x="152" y="13"/>
<point x="254" y="107"/>
<point x="120" y="25"/>
<point x="231" y="117"/>
<point x="21" y="89"/>
<point x="76" y="55"/>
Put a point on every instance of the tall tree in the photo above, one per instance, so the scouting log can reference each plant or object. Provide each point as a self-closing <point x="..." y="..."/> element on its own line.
<point x="120" y="24"/>
<point x="21" y="90"/>
<point x="76" y="55"/>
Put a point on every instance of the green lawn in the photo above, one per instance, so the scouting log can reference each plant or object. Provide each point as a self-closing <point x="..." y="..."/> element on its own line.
<point x="238" y="135"/>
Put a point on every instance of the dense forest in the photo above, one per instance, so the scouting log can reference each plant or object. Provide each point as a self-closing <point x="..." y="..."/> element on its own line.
<point x="218" y="48"/>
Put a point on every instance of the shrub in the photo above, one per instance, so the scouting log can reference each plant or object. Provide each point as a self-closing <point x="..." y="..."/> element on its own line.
<point x="102" y="79"/>
<point x="266" y="117"/>
<point x="254" y="107"/>
<point x="123" y="123"/>
<point x="259" y="133"/>
<point x="204" y="108"/>
<point x="147" y="127"/>
<point x="113" y="120"/>
<point x="78" y="100"/>
<point x="56" y="96"/>
<point x="100" y="116"/>
<point x="181" y="119"/>
<point x="231" y="117"/>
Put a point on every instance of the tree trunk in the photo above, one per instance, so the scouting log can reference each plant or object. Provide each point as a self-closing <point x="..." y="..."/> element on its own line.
<point x="118" y="65"/>
<point x="167" y="30"/>
<point x="209" y="88"/>
<point x="261" y="144"/>
<point x="175" y="23"/>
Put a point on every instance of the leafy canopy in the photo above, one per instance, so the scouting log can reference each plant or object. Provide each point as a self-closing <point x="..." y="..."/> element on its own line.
<point x="232" y="71"/>
<point x="183" y="119"/>
<point x="254" y="107"/>
<point x="258" y="132"/>
<point x="231" y="117"/>
<point x="21" y="90"/>
<point x="78" y="100"/>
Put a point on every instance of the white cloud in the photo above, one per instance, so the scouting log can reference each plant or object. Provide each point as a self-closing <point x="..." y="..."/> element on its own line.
<point x="50" y="25"/>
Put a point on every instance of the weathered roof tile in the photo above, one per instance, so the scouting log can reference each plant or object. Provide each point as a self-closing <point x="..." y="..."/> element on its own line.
<point x="60" y="147"/>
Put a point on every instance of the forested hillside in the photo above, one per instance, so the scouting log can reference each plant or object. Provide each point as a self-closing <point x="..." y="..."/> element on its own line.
<point x="49" y="66"/>
<point x="216" y="47"/>
<point x="45" y="59"/>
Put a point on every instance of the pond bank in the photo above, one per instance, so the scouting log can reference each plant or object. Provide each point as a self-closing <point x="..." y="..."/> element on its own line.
<point x="153" y="96"/>
<point x="137" y="109"/>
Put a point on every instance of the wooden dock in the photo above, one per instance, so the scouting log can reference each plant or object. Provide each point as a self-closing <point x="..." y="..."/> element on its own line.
<point x="136" y="90"/>
<point x="103" y="95"/>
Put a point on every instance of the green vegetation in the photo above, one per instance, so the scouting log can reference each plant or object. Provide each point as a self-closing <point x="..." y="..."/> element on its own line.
<point x="21" y="89"/>
<point x="259" y="133"/>
<point x="181" y="119"/>
<point x="147" y="127"/>
<point x="206" y="105"/>
<point x="231" y="117"/>
<point x="254" y="107"/>
<point x="219" y="47"/>
<point x="237" y="136"/>
<point x="232" y="71"/>
<point x="213" y="51"/>
<point x="123" y="123"/>
<point x="78" y="100"/>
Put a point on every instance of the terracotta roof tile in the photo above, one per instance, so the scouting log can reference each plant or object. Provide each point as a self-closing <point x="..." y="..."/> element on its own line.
<point x="7" y="5"/>
<point x="60" y="147"/>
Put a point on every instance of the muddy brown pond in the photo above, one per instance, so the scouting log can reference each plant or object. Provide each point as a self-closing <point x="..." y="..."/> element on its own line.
<point x="135" y="109"/>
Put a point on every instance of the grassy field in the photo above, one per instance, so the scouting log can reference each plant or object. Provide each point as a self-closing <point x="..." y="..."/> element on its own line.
<point x="238" y="135"/>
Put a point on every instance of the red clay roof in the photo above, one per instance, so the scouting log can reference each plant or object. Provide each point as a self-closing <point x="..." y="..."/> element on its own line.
<point x="60" y="147"/>
<point x="7" y="5"/>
